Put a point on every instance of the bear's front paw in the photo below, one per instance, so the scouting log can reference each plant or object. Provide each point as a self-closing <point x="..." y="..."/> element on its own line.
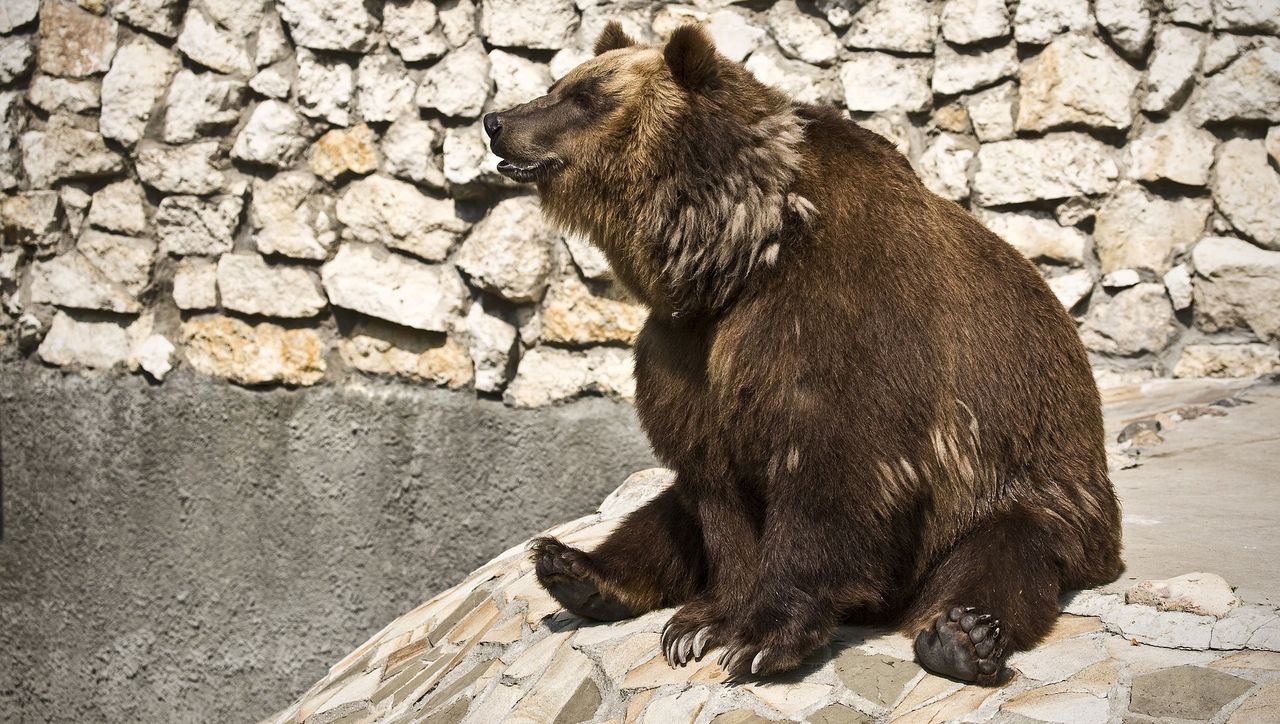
<point x="694" y="630"/>
<point x="963" y="644"/>
<point x="572" y="579"/>
<point x="773" y="644"/>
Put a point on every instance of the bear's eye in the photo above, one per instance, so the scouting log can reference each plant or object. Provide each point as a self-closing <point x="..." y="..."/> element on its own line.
<point x="582" y="98"/>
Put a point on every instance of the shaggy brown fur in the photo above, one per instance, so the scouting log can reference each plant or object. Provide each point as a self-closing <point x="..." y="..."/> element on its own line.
<point x="876" y="409"/>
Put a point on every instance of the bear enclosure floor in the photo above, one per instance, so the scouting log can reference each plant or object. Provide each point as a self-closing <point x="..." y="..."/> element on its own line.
<point x="1171" y="641"/>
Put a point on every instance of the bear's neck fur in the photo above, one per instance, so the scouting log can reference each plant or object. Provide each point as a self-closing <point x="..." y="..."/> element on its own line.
<point x="692" y="201"/>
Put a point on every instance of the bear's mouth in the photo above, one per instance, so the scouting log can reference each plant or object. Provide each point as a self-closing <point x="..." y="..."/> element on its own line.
<point x="525" y="171"/>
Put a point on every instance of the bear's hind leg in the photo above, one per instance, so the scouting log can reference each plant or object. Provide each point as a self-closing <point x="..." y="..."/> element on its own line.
<point x="995" y="592"/>
<point x="653" y="559"/>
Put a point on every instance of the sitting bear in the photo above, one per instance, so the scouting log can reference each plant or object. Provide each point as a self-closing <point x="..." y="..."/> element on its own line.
<point x="876" y="409"/>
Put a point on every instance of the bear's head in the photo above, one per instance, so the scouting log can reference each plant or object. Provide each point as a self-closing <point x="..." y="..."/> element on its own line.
<point x="672" y="159"/>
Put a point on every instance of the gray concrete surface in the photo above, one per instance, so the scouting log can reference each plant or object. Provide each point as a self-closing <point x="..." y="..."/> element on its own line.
<point x="1208" y="497"/>
<point x="201" y="552"/>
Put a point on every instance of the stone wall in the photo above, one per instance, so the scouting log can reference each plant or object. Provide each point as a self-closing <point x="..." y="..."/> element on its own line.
<point x="299" y="191"/>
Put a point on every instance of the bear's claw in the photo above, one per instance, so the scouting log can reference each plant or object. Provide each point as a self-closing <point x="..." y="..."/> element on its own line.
<point x="963" y="644"/>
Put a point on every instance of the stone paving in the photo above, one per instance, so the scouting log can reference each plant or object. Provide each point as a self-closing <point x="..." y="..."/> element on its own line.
<point x="497" y="648"/>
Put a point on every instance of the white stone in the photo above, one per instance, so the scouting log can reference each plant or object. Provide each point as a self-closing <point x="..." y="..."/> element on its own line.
<point x="61" y="152"/>
<point x="961" y="72"/>
<point x="1135" y="321"/>
<point x="1120" y="279"/>
<point x="95" y="345"/>
<point x="272" y="82"/>
<point x="325" y="88"/>
<point x="588" y="258"/>
<point x="273" y="136"/>
<point x="1060" y="660"/>
<point x="799" y="80"/>
<point x="1167" y="629"/>
<point x="1247" y="15"/>
<point x="944" y="166"/>
<point x="138" y="77"/>
<point x="971" y="21"/>
<point x="273" y="46"/>
<point x="293" y="217"/>
<point x="1056" y="166"/>
<point x="1038" y="21"/>
<point x="214" y="47"/>
<point x="1172" y="67"/>
<point x="547" y="375"/>
<point x="75" y="205"/>
<point x="572" y="315"/>
<point x="1037" y="238"/>
<point x="1128" y="24"/>
<point x="1248" y="627"/>
<point x="509" y="251"/>
<point x="735" y="37"/>
<point x="249" y="285"/>
<point x="459" y="84"/>
<point x="1227" y="361"/>
<point x="411" y="29"/>
<point x="1246" y="89"/>
<point x="396" y="288"/>
<point x="16" y="13"/>
<point x="800" y="35"/>
<point x="200" y="104"/>
<point x="491" y="340"/>
<point x="16" y="54"/>
<point x="190" y="169"/>
<point x="1177" y="283"/>
<point x="384" y="91"/>
<point x="121" y="206"/>
<point x="1076" y="80"/>
<point x="158" y="16"/>
<point x="906" y="26"/>
<point x="1237" y="287"/>
<point x="195" y="284"/>
<point x="410" y="151"/>
<point x="545" y="24"/>
<point x="1224" y="48"/>
<point x="1071" y="287"/>
<point x="1272" y="143"/>
<point x="993" y="111"/>
<point x="1197" y="13"/>
<point x="458" y="21"/>
<point x="154" y="356"/>
<point x="395" y="213"/>
<point x="676" y="706"/>
<point x="126" y="260"/>
<point x="1137" y="230"/>
<point x="882" y="82"/>
<point x="73" y="281"/>
<point x="1247" y="191"/>
<point x="516" y="80"/>
<point x="344" y="25"/>
<point x="381" y="348"/>
<point x="239" y="17"/>
<point x="63" y="95"/>
<point x="1204" y="594"/>
<point x="74" y="43"/>
<point x="192" y="225"/>
<point x="1171" y="151"/>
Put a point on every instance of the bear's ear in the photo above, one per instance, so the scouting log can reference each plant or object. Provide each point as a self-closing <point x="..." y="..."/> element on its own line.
<point x="691" y="56"/>
<point x="613" y="37"/>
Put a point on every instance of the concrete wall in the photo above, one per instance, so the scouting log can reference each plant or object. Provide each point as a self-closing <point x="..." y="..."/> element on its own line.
<point x="201" y="552"/>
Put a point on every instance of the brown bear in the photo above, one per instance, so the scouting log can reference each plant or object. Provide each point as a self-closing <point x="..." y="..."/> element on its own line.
<point x="876" y="409"/>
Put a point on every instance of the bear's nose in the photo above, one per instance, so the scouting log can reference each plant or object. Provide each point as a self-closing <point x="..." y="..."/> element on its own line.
<point x="492" y="125"/>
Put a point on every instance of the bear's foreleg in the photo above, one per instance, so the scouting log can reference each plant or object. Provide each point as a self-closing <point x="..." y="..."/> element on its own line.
<point x="995" y="592"/>
<point x="731" y="532"/>
<point x="653" y="559"/>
